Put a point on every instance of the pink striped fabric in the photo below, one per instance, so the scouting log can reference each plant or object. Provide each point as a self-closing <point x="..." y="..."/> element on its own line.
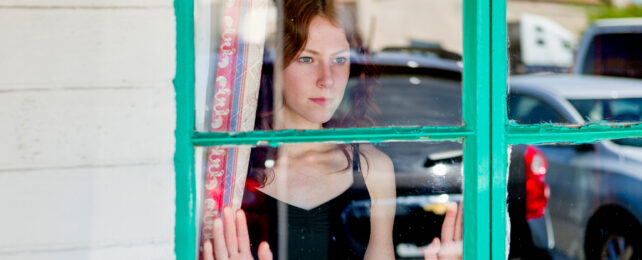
<point x="233" y="105"/>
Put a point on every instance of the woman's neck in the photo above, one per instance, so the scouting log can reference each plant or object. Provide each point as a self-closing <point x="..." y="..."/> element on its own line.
<point x="298" y="151"/>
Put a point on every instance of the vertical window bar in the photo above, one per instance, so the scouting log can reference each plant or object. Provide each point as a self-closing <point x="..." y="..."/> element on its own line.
<point x="499" y="121"/>
<point x="476" y="112"/>
<point x="185" y="230"/>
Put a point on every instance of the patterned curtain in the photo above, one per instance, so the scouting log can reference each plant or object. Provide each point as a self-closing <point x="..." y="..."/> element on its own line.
<point x="236" y="89"/>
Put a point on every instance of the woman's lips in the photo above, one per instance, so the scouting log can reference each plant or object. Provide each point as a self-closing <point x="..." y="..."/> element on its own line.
<point x="320" y="101"/>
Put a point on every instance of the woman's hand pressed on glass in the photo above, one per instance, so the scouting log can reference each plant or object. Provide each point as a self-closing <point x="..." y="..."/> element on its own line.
<point x="450" y="247"/>
<point x="231" y="239"/>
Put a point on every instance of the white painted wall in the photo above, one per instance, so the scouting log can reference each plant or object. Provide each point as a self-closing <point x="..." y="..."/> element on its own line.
<point x="441" y="21"/>
<point x="438" y="21"/>
<point x="86" y="129"/>
<point x="571" y="17"/>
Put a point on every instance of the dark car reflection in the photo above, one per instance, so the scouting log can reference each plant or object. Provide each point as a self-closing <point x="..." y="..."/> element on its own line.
<point x="596" y="189"/>
<point x="426" y="90"/>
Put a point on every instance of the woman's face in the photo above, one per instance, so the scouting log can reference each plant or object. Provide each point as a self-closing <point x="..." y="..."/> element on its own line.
<point x="314" y="82"/>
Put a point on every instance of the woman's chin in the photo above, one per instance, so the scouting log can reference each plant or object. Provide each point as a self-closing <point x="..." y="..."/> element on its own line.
<point x="319" y="119"/>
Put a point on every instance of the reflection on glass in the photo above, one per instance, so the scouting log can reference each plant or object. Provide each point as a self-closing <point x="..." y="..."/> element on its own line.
<point x="363" y="72"/>
<point x="567" y="66"/>
<point x="611" y="110"/>
<point x="229" y="49"/>
<point x="341" y="201"/>
<point x="528" y="195"/>
<point x="412" y="94"/>
<point x="586" y="197"/>
<point x="573" y="99"/>
<point x="614" y="53"/>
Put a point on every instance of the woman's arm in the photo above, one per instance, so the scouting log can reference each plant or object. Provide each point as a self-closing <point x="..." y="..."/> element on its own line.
<point x="379" y="175"/>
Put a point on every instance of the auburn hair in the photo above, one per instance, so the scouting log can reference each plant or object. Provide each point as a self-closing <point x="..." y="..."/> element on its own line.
<point x="298" y="15"/>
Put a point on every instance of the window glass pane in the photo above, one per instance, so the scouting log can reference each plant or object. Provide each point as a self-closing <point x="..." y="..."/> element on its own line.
<point x="335" y="201"/>
<point x="571" y="99"/>
<point x="573" y="62"/>
<point x="525" y="109"/>
<point x="328" y="64"/>
<point x="229" y="42"/>
<point x="576" y="201"/>
<point x="614" y="54"/>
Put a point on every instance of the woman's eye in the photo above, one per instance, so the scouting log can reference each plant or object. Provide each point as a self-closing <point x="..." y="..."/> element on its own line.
<point x="305" y="59"/>
<point x="341" y="60"/>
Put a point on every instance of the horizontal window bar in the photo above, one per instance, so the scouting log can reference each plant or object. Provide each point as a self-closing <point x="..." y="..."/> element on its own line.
<point x="332" y="135"/>
<point x="550" y="133"/>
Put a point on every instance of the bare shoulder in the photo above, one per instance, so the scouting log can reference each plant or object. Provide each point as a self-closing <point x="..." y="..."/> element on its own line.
<point x="375" y="160"/>
<point x="378" y="172"/>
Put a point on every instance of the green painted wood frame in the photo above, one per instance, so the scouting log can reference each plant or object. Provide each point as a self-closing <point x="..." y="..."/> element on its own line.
<point x="486" y="132"/>
<point x="185" y="233"/>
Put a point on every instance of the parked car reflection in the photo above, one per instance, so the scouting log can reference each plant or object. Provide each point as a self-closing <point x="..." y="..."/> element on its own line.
<point x="426" y="90"/>
<point x="596" y="200"/>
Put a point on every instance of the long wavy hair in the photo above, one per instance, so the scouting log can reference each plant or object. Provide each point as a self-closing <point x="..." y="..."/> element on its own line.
<point x="298" y="15"/>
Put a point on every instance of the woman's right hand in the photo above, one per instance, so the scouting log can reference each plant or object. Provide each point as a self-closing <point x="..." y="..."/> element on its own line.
<point x="450" y="247"/>
<point x="231" y="239"/>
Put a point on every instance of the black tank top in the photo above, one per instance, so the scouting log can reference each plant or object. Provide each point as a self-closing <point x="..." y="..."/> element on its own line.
<point x="319" y="233"/>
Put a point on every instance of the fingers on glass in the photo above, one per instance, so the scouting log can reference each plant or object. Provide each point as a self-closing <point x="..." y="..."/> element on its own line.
<point x="264" y="251"/>
<point x="431" y="252"/>
<point x="451" y="251"/>
<point x="243" y="235"/>
<point x="220" y="250"/>
<point x="448" y="227"/>
<point x="208" y="253"/>
<point x="231" y="237"/>
<point x="459" y="222"/>
<point x="230" y="231"/>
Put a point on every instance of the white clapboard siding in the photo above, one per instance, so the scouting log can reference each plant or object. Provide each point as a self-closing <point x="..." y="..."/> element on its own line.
<point x="86" y="127"/>
<point x="77" y="47"/>
<point x="85" y="3"/>
<point x="83" y="208"/>
<point x="154" y="251"/>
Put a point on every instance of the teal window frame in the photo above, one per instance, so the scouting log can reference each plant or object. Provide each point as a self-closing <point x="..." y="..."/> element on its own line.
<point x="486" y="132"/>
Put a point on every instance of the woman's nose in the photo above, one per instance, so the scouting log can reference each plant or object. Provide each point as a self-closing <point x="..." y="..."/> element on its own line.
<point x="325" y="75"/>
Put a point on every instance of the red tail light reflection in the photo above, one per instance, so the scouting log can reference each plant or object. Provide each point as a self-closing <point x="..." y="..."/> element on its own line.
<point x="537" y="191"/>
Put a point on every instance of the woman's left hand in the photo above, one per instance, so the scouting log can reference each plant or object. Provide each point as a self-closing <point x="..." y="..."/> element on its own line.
<point x="450" y="247"/>
<point x="232" y="240"/>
